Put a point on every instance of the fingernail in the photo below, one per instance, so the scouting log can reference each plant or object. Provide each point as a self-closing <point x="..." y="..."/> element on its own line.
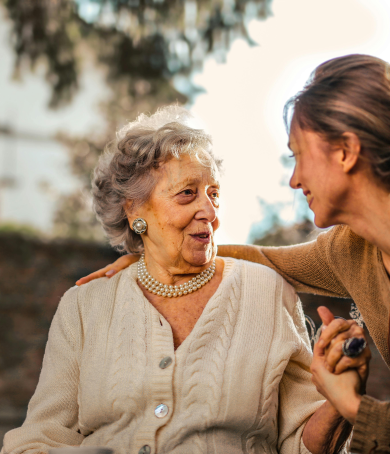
<point x="110" y="273"/>
<point x="321" y="343"/>
<point x="323" y="327"/>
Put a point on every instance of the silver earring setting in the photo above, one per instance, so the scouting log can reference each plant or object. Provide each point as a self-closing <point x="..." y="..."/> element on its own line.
<point x="139" y="226"/>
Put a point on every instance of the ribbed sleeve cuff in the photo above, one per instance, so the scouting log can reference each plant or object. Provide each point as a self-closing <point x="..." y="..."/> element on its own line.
<point x="372" y="427"/>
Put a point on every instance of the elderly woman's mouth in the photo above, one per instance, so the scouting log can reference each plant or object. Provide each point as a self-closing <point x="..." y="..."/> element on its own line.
<point x="203" y="237"/>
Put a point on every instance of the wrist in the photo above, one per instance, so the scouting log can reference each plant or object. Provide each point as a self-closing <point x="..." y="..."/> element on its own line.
<point x="350" y="408"/>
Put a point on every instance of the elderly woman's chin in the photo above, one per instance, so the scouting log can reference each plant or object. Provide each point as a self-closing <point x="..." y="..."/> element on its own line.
<point x="199" y="253"/>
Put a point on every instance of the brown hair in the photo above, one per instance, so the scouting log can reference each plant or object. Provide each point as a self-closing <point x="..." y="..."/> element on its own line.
<point x="349" y="94"/>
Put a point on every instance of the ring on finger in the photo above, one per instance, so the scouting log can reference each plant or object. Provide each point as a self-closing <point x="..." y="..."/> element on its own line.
<point x="353" y="346"/>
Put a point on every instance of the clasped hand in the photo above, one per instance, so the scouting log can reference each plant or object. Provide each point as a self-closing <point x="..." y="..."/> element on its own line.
<point x="339" y="378"/>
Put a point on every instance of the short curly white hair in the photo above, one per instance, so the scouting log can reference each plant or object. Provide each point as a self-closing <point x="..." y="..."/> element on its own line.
<point x="125" y="170"/>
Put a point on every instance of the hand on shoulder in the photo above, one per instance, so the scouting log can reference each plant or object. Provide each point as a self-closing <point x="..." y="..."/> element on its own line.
<point x="111" y="269"/>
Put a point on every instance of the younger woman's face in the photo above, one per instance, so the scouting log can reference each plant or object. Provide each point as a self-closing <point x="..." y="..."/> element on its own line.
<point x="319" y="174"/>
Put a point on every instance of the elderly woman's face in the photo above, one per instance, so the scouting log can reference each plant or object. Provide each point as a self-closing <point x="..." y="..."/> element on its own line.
<point x="182" y="214"/>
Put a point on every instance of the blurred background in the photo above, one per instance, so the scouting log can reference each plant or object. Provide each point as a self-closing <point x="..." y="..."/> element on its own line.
<point x="73" y="71"/>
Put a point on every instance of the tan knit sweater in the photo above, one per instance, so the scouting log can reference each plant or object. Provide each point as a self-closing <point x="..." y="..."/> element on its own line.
<point x="239" y="383"/>
<point x="340" y="263"/>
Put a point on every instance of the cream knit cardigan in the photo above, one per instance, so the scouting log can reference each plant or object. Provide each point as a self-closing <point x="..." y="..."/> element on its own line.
<point x="239" y="383"/>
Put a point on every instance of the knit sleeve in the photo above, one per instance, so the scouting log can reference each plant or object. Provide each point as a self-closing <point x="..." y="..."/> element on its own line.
<point x="372" y="427"/>
<point x="52" y="416"/>
<point x="308" y="267"/>
<point x="298" y="397"/>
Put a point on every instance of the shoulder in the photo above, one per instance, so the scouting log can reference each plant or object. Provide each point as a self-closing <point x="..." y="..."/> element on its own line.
<point x="342" y="244"/>
<point x="343" y="237"/>
<point x="98" y="291"/>
<point x="261" y="273"/>
<point x="262" y="281"/>
<point x="252" y="270"/>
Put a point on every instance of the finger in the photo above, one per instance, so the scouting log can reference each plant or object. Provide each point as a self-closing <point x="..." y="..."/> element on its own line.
<point x="334" y="351"/>
<point x="363" y="372"/>
<point x="359" y="363"/>
<point x="111" y="269"/>
<point x="319" y="373"/>
<point x="318" y="350"/>
<point x="94" y="275"/>
<point x="338" y="362"/>
<point x="124" y="261"/>
<point x="333" y="355"/>
<point x="353" y="331"/>
<point x="333" y="329"/>
<point x="120" y="264"/>
<point x="325" y="314"/>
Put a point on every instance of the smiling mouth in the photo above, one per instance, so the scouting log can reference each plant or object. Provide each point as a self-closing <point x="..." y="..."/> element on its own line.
<point x="203" y="237"/>
<point x="309" y="197"/>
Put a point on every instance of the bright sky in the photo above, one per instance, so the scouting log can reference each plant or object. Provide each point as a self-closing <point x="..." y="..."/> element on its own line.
<point x="242" y="107"/>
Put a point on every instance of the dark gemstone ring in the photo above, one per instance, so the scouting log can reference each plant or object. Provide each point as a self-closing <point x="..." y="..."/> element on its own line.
<point x="354" y="346"/>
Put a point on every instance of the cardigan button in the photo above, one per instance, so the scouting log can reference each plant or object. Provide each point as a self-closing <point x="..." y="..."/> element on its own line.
<point x="145" y="450"/>
<point x="161" y="411"/>
<point x="165" y="362"/>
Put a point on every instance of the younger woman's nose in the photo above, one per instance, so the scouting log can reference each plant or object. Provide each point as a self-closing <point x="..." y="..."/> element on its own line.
<point x="294" y="181"/>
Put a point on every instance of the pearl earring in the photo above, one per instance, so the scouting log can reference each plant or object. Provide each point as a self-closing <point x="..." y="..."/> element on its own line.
<point x="139" y="226"/>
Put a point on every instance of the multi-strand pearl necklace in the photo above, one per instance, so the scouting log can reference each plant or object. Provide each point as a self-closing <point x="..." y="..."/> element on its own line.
<point x="170" y="291"/>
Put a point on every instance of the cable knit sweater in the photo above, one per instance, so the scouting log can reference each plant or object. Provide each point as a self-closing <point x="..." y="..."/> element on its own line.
<point x="341" y="263"/>
<point x="338" y="263"/>
<point x="239" y="383"/>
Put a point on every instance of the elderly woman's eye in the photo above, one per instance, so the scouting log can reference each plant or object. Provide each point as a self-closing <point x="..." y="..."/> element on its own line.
<point x="187" y="192"/>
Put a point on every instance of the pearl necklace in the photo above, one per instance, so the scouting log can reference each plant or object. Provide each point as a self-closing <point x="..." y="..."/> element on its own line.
<point x="170" y="291"/>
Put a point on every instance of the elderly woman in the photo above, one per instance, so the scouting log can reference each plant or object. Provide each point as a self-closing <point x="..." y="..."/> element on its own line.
<point x="183" y="352"/>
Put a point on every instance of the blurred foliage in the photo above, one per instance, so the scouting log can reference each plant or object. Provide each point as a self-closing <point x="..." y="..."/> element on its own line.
<point x="273" y="231"/>
<point x="143" y="43"/>
<point x="281" y="235"/>
<point x="74" y="218"/>
<point x="142" y="47"/>
<point x="22" y="229"/>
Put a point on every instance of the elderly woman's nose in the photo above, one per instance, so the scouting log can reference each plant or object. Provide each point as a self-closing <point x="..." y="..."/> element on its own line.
<point x="206" y="209"/>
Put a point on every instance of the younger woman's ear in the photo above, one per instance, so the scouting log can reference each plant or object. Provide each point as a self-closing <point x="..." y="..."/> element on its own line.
<point x="351" y="151"/>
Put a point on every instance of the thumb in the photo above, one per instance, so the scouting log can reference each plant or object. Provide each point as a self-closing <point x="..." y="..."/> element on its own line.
<point x="325" y="314"/>
<point x="318" y="353"/>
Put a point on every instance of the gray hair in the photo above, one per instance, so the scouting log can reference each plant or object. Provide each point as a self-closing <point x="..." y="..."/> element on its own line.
<point x="126" y="170"/>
